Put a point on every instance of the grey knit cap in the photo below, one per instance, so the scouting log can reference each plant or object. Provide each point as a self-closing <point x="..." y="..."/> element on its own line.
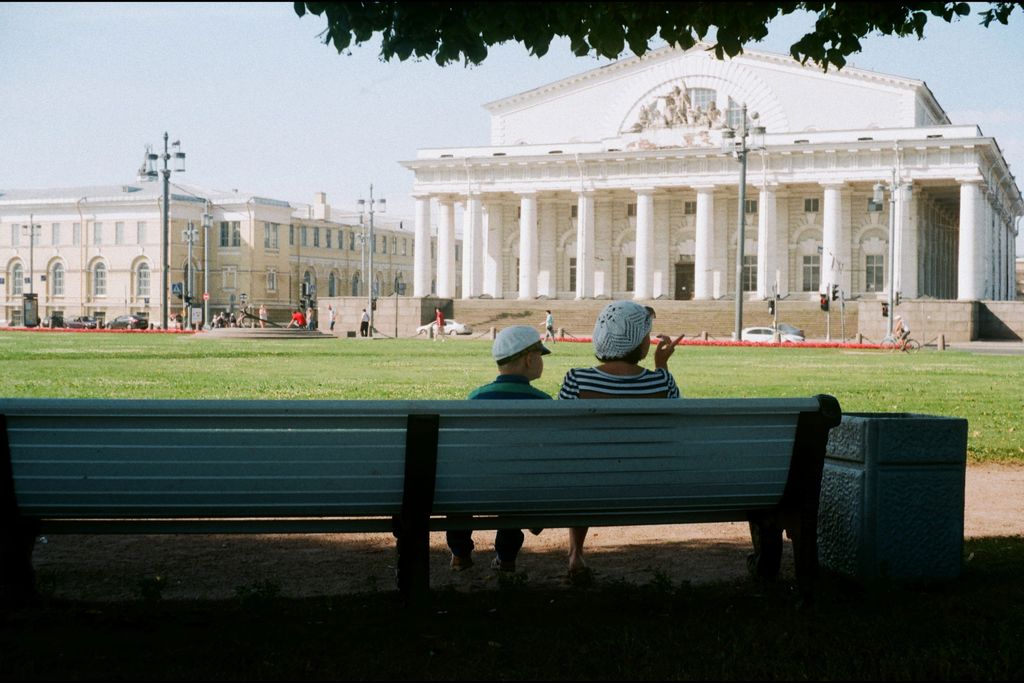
<point x="620" y="328"/>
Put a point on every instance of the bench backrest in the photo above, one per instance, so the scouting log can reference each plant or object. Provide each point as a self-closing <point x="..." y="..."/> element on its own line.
<point x="603" y="461"/>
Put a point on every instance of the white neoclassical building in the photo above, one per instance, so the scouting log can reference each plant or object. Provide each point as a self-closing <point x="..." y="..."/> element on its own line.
<point x="614" y="184"/>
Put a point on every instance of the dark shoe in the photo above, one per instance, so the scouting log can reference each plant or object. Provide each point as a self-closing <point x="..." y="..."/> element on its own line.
<point x="536" y="532"/>
<point x="499" y="565"/>
<point x="460" y="563"/>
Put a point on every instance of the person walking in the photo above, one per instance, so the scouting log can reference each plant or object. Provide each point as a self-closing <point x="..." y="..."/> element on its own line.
<point x="549" y="327"/>
<point x="439" y="324"/>
<point x="263" y="315"/>
<point x="364" y="324"/>
<point x="331" y="315"/>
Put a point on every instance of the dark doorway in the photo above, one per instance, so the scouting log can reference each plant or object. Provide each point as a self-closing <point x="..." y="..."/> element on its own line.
<point x="684" y="281"/>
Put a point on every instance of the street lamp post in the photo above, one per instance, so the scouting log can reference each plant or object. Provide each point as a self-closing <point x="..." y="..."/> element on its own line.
<point x="877" y="195"/>
<point x="179" y="158"/>
<point x="734" y="142"/>
<point x="370" y="248"/>
<point x="189" y="235"/>
<point x="32" y="230"/>
<point x="207" y="224"/>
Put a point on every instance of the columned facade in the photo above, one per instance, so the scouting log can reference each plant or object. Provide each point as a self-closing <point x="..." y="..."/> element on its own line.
<point x="639" y="199"/>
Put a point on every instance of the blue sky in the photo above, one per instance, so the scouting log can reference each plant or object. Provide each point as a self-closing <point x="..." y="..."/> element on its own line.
<point x="261" y="105"/>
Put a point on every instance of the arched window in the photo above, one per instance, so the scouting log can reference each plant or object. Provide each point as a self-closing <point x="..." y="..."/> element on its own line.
<point x="57" y="280"/>
<point x="99" y="280"/>
<point x="17" y="279"/>
<point x="355" y="284"/>
<point x="332" y="284"/>
<point x="142" y="280"/>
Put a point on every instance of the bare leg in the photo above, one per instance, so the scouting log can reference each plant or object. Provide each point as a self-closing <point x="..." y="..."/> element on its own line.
<point x="577" y="536"/>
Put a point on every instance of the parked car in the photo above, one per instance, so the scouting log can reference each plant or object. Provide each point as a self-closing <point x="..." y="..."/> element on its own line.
<point x="787" y="333"/>
<point x="55" y="320"/>
<point x="83" y="322"/>
<point x="129" y="322"/>
<point x="450" y="327"/>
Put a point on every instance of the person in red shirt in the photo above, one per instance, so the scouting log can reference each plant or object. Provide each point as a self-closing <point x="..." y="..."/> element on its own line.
<point x="298" y="320"/>
<point x="439" y="322"/>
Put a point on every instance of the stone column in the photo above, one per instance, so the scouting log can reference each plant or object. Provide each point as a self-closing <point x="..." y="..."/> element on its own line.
<point x="832" y="237"/>
<point x="446" y="248"/>
<point x="969" y="277"/>
<point x="421" y="247"/>
<point x="766" y="246"/>
<point x="528" y="245"/>
<point x="644" y="242"/>
<point x="472" y="255"/>
<point x="704" y="243"/>
<point x="908" y="244"/>
<point x="546" y="249"/>
<point x="494" y="239"/>
<point x="585" y="245"/>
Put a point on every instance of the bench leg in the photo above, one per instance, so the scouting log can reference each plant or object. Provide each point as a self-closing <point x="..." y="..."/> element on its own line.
<point x="413" y="571"/>
<point x="17" y="578"/>
<point x="804" y="534"/>
<point x="766" y="535"/>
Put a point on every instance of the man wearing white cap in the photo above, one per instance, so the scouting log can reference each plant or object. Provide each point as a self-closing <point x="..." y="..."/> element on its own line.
<point x="519" y="353"/>
<point x="622" y="338"/>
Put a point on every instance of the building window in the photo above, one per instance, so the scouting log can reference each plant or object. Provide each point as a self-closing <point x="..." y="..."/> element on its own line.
<point x="458" y="252"/>
<point x="689" y="208"/>
<point x="142" y="280"/>
<point x="303" y="236"/>
<point x="271" y="280"/>
<point x="874" y="273"/>
<point x="316" y="237"/>
<point x="749" y="272"/>
<point x="97" y="234"/>
<point x="15" y="232"/>
<point x="291" y="235"/>
<point x="270" y="235"/>
<point x="873" y="206"/>
<point x="231" y="234"/>
<point x="55" y="234"/>
<point x="404" y="247"/>
<point x="327" y="238"/>
<point x="332" y="284"/>
<point x="140" y="232"/>
<point x="76" y="234"/>
<point x="99" y="280"/>
<point x="572" y="274"/>
<point x="17" y="279"/>
<point x="631" y="209"/>
<point x="750" y="206"/>
<point x="701" y="98"/>
<point x="811" y="273"/>
<point x="384" y="241"/>
<point x="630" y="273"/>
<point x="57" y="279"/>
<point x="811" y="205"/>
<point x="119" y="232"/>
<point x="229" y="277"/>
<point x="574" y="211"/>
<point x="352" y="241"/>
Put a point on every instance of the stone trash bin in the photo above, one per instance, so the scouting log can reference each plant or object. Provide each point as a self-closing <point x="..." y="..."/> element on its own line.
<point x="892" y="497"/>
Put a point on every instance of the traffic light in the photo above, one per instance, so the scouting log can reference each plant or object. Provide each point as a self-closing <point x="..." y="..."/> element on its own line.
<point x="896" y="299"/>
<point x="835" y="292"/>
<point x="823" y="301"/>
<point x="771" y="306"/>
<point x="885" y="309"/>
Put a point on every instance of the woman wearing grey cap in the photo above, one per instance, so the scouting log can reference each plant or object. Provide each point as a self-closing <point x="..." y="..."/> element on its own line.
<point x="622" y="338"/>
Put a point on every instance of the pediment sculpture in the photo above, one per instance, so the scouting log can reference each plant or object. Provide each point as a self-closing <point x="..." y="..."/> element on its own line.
<point x="676" y="110"/>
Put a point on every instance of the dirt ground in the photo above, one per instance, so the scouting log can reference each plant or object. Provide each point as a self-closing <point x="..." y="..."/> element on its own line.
<point x="105" y="568"/>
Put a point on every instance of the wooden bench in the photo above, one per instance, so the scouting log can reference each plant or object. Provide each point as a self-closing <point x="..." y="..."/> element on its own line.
<point x="223" y="466"/>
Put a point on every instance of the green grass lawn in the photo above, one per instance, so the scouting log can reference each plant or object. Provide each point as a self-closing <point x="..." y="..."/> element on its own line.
<point x="983" y="388"/>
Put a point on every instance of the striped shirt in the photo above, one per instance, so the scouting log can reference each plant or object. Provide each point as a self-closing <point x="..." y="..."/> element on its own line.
<point x="508" y="387"/>
<point x="648" y="383"/>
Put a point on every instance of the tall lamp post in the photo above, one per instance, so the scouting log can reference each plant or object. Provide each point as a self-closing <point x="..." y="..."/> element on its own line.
<point x="877" y="195"/>
<point x="207" y="224"/>
<point x="151" y="171"/>
<point x="32" y="229"/>
<point x="734" y="142"/>
<point x="189" y="235"/>
<point x="371" y="247"/>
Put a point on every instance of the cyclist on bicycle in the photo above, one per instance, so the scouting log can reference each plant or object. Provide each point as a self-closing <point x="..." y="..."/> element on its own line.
<point x="901" y="331"/>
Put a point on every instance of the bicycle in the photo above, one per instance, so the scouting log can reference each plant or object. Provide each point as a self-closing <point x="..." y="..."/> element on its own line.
<point x="908" y="345"/>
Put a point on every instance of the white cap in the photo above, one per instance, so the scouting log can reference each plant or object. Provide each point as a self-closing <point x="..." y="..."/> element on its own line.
<point x="512" y="340"/>
<point x="621" y="327"/>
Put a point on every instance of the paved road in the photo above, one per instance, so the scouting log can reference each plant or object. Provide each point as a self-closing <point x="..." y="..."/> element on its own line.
<point x="1002" y="348"/>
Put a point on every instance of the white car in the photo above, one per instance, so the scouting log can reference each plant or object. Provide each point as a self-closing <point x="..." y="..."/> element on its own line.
<point x="787" y="333"/>
<point x="450" y="327"/>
